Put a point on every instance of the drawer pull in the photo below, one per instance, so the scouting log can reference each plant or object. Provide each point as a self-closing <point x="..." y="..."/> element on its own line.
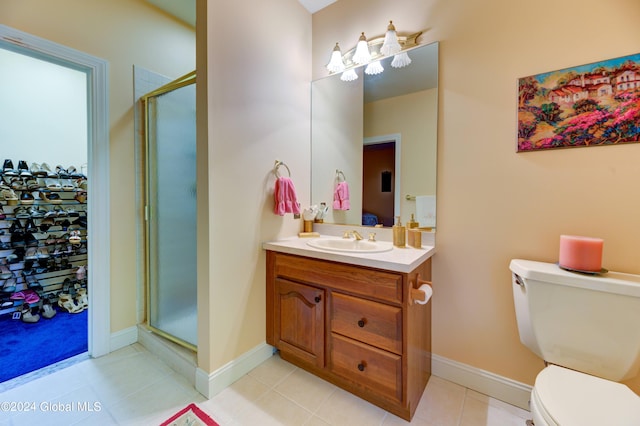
<point x="362" y="322"/>
<point x="362" y="366"/>
<point x="318" y="299"/>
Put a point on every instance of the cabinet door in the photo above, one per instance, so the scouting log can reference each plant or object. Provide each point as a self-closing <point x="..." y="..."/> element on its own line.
<point x="299" y="321"/>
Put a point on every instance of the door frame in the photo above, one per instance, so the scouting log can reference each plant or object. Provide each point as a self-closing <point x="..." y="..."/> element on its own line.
<point x="98" y="203"/>
<point x="397" y="139"/>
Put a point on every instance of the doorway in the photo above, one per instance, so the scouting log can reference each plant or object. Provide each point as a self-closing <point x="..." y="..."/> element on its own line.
<point x="92" y="72"/>
<point x="381" y="179"/>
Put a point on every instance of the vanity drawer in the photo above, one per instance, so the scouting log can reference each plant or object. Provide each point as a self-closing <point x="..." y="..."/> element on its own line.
<point x="370" y="322"/>
<point x="353" y="279"/>
<point x="371" y="367"/>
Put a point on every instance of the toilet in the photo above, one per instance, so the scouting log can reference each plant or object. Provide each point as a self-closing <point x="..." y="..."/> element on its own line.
<point x="587" y="330"/>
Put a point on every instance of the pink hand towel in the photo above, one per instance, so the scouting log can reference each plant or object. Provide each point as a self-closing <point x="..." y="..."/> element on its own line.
<point x="341" y="197"/>
<point x="285" y="196"/>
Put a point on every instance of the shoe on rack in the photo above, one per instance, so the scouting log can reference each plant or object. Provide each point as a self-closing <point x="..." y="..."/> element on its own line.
<point x="23" y="169"/>
<point x="74" y="237"/>
<point x="32" y="281"/>
<point x="81" y="298"/>
<point x="74" y="173"/>
<point x="30" y="226"/>
<point x="21" y="213"/>
<point x="17" y="184"/>
<point x="61" y="212"/>
<point x="81" y="273"/>
<point x="82" y="183"/>
<point x="67" y="185"/>
<point x="65" y="301"/>
<point x="30" y="240"/>
<point x="31" y="254"/>
<point x="5" y="272"/>
<point x="26" y="198"/>
<point x="42" y="253"/>
<point x="48" y="311"/>
<point x="10" y="197"/>
<point x="62" y="172"/>
<point x="9" y="285"/>
<point x="17" y="240"/>
<point x="27" y="315"/>
<point x="8" y="170"/>
<point x="35" y="212"/>
<point x="32" y="184"/>
<point x="50" y="197"/>
<point x="81" y="196"/>
<point x="38" y="171"/>
<point x="45" y="168"/>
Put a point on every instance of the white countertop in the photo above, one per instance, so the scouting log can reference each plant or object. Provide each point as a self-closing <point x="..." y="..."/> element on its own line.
<point x="404" y="259"/>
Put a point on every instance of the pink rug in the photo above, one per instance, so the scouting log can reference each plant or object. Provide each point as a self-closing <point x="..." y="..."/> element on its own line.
<point x="191" y="415"/>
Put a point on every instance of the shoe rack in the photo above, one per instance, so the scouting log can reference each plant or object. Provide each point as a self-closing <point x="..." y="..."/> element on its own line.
<point x="43" y="241"/>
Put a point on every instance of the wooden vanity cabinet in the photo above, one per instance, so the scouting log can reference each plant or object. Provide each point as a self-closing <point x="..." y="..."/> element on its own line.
<point x="353" y="326"/>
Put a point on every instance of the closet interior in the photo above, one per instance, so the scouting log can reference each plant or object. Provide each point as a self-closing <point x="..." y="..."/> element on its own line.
<point x="43" y="241"/>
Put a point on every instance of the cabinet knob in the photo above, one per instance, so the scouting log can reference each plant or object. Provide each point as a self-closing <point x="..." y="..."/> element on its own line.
<point x="318" y="299"/>
<point x="361" y="366"/>
<point x="362" y="322"/>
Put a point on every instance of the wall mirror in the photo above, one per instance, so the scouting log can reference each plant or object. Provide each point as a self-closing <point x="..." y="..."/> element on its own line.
<point x="378" y="134"/>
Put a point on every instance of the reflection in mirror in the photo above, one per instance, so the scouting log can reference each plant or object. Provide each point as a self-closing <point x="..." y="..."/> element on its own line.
<point x="380" y="131"/>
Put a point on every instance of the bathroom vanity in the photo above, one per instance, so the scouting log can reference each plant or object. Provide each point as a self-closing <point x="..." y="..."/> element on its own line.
<point x="351" y="319"/>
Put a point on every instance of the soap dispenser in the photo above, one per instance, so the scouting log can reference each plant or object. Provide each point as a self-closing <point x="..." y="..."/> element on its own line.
<point x="412" y="223"/>
<point x="399" y="233"/>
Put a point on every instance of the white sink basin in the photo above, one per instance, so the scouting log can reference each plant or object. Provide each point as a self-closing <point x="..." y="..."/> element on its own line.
<point x="350" y="246"/>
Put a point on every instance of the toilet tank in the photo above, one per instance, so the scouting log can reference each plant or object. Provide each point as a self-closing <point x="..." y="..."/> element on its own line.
<point x="589" y="323"/>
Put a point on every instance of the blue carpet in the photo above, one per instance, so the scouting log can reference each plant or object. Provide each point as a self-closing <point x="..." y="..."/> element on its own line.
<point x="28" y="347"/>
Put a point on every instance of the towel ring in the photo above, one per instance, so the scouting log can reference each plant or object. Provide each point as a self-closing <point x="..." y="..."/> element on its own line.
<point x="338" y="174"/>
<point x="277" y="166"/>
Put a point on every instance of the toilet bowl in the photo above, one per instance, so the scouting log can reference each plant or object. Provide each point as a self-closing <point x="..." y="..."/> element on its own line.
<point x="587" y="329"/>
<point x="563" y="397"/>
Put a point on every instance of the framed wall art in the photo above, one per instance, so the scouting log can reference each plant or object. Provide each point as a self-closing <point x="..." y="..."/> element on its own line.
<point x="589" y="105"/>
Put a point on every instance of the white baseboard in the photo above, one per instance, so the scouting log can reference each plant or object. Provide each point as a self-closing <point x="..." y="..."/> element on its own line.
<point x="491" y="384"/>
<point x="123" y="338"/>
<point x="211" y="384"/>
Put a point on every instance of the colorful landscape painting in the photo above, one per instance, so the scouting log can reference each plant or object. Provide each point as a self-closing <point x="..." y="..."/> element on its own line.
<point x="590" y="105"/>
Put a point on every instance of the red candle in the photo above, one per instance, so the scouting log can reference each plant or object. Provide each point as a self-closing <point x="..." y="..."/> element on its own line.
<point x="581" y="253"/>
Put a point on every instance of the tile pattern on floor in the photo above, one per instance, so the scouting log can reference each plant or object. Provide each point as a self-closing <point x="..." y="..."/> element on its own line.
<point x="132" y="387"/>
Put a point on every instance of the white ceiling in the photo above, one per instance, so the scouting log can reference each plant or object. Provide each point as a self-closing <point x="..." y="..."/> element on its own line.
<point x="185" y="10"/>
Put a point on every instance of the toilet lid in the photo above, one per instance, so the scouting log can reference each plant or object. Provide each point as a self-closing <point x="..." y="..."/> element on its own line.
<point x="572" y="398"/>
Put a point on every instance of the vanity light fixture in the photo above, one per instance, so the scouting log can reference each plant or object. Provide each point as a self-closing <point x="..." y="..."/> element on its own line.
<point x="400" y="60"/>
<point x="336" y="64"/>
<point x="374" y="68"/>
<point x="371" y="52"/>
<point x="390" y="46"/>
<point x="349" y="75"/>
<point x="362" y="55"/>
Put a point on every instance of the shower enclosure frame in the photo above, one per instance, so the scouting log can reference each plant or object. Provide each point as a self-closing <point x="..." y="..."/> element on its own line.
<point x="180" y="82"/>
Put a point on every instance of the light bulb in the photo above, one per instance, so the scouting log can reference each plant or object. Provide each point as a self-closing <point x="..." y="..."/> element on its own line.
<point x="390" y="45"/>
<point x="401" y="60"/>
<point x="374" y="68"/>
<point x="349" y="75"/>
<point x="336" y="64"/>
<point x="362" y="54"/>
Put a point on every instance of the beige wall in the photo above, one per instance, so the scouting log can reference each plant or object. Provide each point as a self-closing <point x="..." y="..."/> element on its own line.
<point x="494" y="204"/>
<point x="123" y="32"/>
<point x="257" y="108"/>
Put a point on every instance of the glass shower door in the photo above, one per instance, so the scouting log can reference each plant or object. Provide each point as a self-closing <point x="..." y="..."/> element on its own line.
<point x="171" y="211"/>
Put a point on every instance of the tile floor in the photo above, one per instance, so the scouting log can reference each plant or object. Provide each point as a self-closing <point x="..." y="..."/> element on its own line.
<point x="133" y="387"/>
